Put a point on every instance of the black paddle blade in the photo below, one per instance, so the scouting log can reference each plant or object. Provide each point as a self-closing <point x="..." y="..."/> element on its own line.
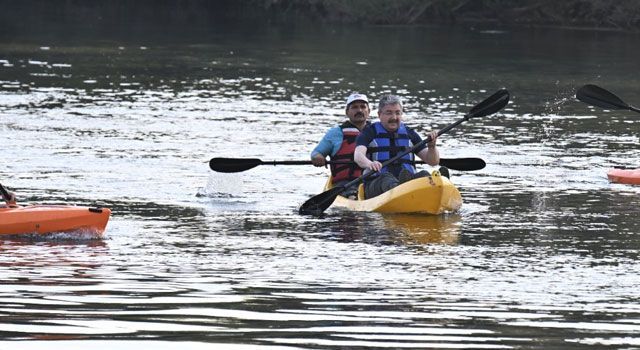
<point x="233" y="165"/>
<point x="464" y="164"/>
<point x="490" y="105"/>
<point x="599" y="97"/>
<point x="319" y="203"/>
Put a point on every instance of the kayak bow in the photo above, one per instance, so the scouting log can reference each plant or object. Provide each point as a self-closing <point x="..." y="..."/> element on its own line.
<point x="428" y="195"/>
<point x="43" y="219"/>
<point x="624" y="176"/>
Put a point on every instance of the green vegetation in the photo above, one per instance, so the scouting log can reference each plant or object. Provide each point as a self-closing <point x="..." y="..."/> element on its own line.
<point x="615" y="14"/>
<point x="27" y="15"/>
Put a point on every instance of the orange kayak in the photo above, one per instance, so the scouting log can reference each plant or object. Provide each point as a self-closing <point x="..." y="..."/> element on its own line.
<point x="624" y="176"/>
<point x="42" y="219"/>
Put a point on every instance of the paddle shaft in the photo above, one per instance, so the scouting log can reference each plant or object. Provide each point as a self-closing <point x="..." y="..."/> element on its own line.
<point x="235" y="165"/>
<point x="308" y="162"/>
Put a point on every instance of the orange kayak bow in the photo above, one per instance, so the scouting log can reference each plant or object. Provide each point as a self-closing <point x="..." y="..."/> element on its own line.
<point x="42" y="219"/>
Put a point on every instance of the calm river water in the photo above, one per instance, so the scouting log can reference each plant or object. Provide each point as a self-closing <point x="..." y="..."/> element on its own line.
<point x="542" y="255"/>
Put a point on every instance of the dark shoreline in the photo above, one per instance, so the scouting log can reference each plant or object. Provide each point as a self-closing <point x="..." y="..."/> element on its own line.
<point x="26" y="16"/>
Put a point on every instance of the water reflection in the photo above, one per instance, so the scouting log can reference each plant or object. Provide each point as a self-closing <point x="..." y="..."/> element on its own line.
<point x="544" y="248"/>
<point x="425" y="229"/>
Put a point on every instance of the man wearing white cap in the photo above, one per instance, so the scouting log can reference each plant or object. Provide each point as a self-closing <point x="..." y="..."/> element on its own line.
<point x="340" y="142"/>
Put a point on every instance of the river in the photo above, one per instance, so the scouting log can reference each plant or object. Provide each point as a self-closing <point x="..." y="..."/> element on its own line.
<point x="542" y="255"/>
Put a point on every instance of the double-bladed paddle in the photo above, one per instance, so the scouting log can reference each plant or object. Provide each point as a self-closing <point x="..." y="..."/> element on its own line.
<point x="599" y="97"/>
<point x="319" y="203"/>
<point x="235" y="165"/>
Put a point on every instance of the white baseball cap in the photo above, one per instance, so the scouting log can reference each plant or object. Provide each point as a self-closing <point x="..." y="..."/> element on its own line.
<point x="356" y="97"/>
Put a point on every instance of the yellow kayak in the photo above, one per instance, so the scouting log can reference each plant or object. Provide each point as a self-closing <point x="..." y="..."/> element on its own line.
<point x="429" y="195"/>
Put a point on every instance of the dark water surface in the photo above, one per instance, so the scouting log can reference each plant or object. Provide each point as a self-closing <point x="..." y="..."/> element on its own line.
<point x="542" y="255"/>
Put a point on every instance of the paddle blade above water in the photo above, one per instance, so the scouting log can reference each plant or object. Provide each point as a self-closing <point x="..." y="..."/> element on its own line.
<point x="233" y="165"/>
<point x="464" y="164"/>
<point x="596" y="96"/>
<point x="490" y="105"/>
<point x="319" y="203"/>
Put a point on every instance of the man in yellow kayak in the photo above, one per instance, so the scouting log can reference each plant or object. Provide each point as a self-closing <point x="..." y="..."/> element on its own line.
<point x="340" y="142"/>
<point x="383" y="140"/>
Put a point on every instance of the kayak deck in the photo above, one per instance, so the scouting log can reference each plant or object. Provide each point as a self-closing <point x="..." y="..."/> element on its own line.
<point x="624" y="176"/>
<point x="43" y="219"/>
<point x="430" y="195"/>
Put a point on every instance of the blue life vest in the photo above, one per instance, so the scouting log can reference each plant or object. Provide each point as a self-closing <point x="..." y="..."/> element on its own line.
<point x="387" y="145"/>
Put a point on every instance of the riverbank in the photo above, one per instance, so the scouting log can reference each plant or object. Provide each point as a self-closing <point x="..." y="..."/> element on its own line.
<point x="596" y="14"/>
<point x="33" y="15"/>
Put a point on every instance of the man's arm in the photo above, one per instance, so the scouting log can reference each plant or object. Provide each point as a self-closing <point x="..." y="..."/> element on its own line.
<point x="329" y="145"/>
<point x="430" y="154"/>
<point x="360" y="154"/>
